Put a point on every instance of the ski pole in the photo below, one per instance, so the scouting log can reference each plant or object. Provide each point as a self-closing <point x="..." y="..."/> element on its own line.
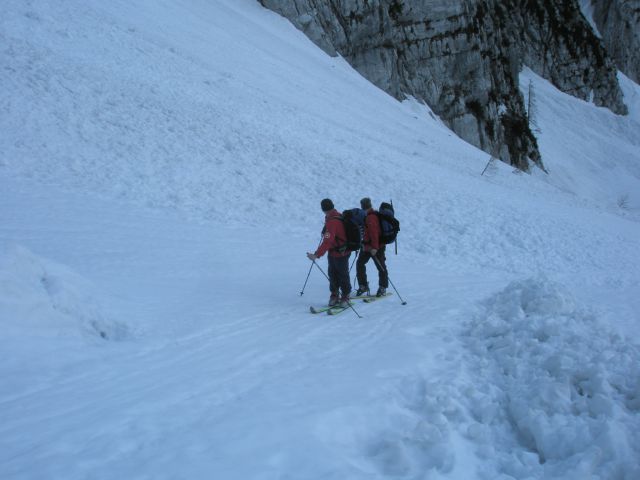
<point x="320" y="268"/>
<point x="387" y="272"/>
<point x="305" y="282"/>
<point x="354" y="260"/>
<point x="351" y="267"/>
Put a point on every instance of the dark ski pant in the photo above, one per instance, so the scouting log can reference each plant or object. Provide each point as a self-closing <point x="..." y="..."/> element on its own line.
<point x="339" y="275"/>
<point x="361" y="267"/>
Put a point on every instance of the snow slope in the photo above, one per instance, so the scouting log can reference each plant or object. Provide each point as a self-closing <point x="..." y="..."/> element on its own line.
<point x="595" y="157"/>
<point x="161" y="167"/>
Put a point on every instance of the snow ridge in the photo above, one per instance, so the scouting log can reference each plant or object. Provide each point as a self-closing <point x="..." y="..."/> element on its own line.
<point x="42" y="298"/>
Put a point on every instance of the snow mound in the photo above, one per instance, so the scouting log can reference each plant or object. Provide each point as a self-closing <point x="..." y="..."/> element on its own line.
<point x="42" y="298"/>
<point x="558" y="396"/>
<point x="537" y="389"/>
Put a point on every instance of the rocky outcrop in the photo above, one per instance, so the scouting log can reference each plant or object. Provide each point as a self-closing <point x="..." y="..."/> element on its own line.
<point x="462" y="58"/>
<point x="618" y="22"/>
<point x="557" y="43"/>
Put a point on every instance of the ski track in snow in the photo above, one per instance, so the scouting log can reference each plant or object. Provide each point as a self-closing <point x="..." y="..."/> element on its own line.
<point x="161" y="167"/>
<point x="280" y="358"/>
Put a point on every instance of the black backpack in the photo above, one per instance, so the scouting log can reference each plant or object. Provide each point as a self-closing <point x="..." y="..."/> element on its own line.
<point x="353" y="221"/>
<point x="389" y="224"/>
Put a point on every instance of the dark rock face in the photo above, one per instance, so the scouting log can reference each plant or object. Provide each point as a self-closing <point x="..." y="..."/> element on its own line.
<point x="462" y="58"/>
<point x="618" y="22"/>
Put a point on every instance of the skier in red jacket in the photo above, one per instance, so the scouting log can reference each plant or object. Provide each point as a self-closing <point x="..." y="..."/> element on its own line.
<point x="333" y="238"/>
<point x="372" y="248"/>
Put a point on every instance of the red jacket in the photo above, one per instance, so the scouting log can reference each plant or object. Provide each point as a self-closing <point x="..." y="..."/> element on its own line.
<point x="333" y="236"/>
<point x="371" y="231"/>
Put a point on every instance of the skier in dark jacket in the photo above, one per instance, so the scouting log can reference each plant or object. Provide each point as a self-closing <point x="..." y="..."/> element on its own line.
<point x="334" y="237"/>
<point x="372" y="248"/>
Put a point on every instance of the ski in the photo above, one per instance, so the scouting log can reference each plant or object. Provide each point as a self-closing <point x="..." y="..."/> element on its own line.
<point x="319" y="309"/>
<point x="373" y="298"/>
<point x="329" y="310"/>
<point x="359" y="297"/>
<point x="336" y="310"/>
<point x="365" y="297"/>
<point x="325" y="308"/>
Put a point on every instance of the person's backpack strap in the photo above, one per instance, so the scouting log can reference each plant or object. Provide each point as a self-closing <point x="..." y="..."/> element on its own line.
<point x="339" y="248"/>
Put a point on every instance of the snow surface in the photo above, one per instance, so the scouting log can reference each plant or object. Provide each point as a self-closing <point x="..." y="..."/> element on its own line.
<point x="161" y="167"/>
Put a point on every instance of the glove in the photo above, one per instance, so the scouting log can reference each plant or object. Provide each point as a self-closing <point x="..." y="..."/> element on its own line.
<point x="373" y="252"/>
<point x="311" y="256"/>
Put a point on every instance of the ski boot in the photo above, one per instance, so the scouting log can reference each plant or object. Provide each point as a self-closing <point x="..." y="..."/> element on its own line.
<point x="333" y="300"/>
<point x="364" y="290"/>
<point x="382" y="291"/>
<point x="344" y="301"/>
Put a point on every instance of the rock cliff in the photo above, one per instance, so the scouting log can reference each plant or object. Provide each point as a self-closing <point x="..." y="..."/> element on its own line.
<point x="618" y="22"/>
<point x="462" y="58"/>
